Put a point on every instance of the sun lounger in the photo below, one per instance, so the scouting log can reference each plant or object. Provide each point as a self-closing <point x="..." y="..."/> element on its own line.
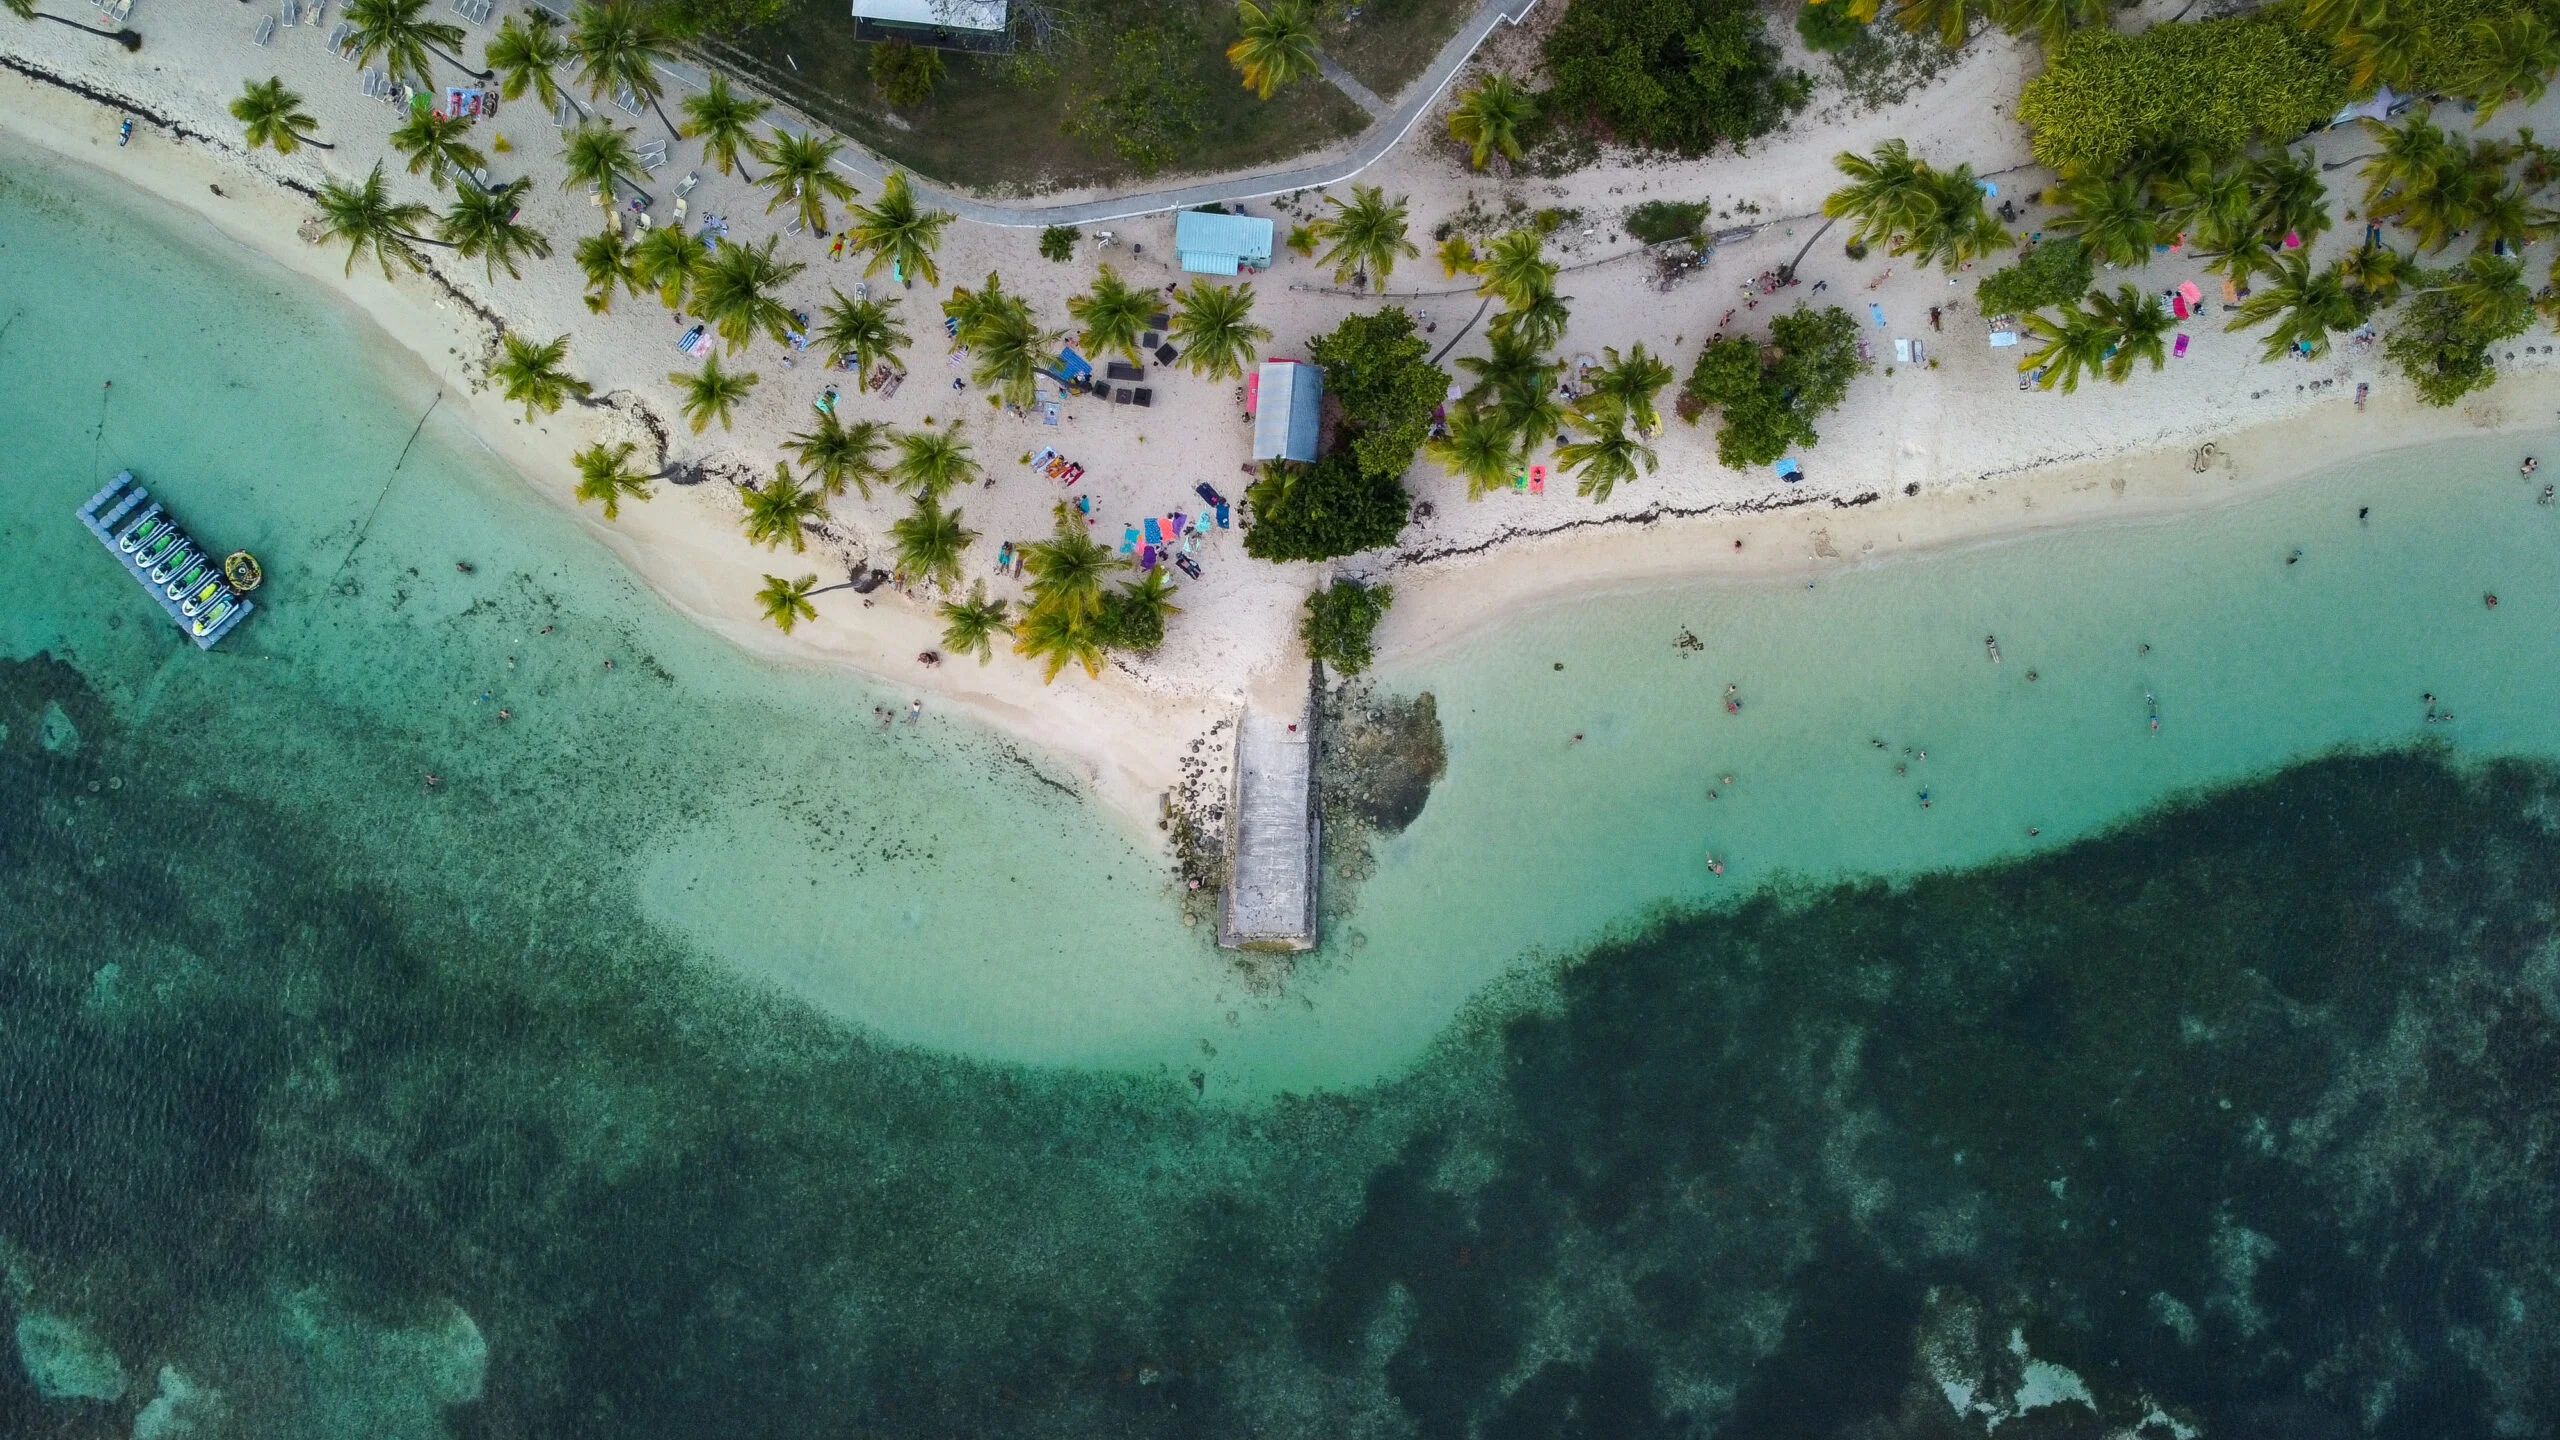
<point x="627" y="100"/>
<point x="1901" y="351"/>
<point x="1118" y="370"/>
<point x="564" y="116"/>
<point x="115" y="12"/>
<point x="1044" y="457"/>
<point x="477" y="10"/>
<point x="1049" y="414"/>
<point x="1142" y="396"/>
<point x="372" y="81"/>
<point x="266" y="32"/>
<point x="1187" y="566"/>
<point x="1165" y="354"/>
<point x="653" y="154"/>
<point x="340" y="43"/>
<point x="291" y="11"/>
<point x="1160" y="320"/>
<point x="1120" y="396"/>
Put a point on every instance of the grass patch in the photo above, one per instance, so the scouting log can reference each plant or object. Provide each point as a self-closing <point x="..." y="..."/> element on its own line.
<point x="1000" y="125"/>
<point x="1657" y="221"/>
<point x="1386" y="43"/>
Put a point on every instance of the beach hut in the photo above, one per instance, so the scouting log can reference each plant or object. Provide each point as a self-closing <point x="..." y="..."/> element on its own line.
<point x="977" y="26"/>
<point x="1287" y="397"/>
<point x="1210" y="244"/>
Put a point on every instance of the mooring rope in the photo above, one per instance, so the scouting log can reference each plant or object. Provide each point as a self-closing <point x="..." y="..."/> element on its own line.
<point x="367" y="527"/>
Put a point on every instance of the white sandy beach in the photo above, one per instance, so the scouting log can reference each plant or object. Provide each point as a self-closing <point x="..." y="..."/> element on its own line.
<point x="1920" y="457"/>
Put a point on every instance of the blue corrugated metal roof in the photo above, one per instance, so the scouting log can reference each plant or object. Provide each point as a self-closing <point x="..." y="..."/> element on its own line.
<point x="1223" y="241"/>
<point x="1289" y="400"/>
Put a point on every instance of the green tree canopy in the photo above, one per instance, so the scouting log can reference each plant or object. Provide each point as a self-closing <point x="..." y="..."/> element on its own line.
<point x="1317" y="512"/>
<point x="1769" y="405"/>
<point x="2047" y="274"/>
<point x="1340" y="620"/>
<point x="1675" y="75"/>
<point x="1378" y="368"/>
<point x="2211" y="87"/>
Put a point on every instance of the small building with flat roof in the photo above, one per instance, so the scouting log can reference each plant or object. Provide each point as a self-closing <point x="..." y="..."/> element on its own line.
<point x="977" y="26"/>
<point x="1208" y="244"/>
<point x="1288" y="399"/>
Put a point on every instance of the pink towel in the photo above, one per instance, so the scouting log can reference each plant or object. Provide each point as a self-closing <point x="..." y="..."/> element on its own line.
<point x="2193" y="292"/>
<point x="2178" y="304"/>
<point x="2181" y="351"/>
<point x="2292" y="241"/>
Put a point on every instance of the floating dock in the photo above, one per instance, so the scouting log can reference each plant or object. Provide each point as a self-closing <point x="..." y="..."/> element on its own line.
<point x="187" y="580"/>
<point x="1271" y="880"/>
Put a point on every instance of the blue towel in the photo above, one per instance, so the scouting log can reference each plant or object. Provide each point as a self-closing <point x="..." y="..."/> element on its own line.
<point x="1222" y="517"/>
<point x="1155" y="532"/>
<point x="1878" y="312"/>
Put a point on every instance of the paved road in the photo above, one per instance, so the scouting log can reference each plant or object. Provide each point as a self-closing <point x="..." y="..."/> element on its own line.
<point x="1391" y="128"/>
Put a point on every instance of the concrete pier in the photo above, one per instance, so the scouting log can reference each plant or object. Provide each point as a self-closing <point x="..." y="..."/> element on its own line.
<point x="1271" y="880"/>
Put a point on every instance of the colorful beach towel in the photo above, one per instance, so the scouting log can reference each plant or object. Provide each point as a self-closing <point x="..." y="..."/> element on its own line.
<point x="2181" y="349"/>
<point x="1878" y="312"/>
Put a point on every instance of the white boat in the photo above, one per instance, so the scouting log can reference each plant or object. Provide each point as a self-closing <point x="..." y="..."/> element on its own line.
<point x="176" y="560"/>
<point x="157" y="548"/>
<point x="215" y="614"/>
<point x="190" y="577"/>
<point x="204" y="595"/>
<point x="145" y="528"/>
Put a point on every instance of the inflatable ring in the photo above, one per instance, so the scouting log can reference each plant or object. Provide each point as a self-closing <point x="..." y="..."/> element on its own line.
<point x="241" y="569"/>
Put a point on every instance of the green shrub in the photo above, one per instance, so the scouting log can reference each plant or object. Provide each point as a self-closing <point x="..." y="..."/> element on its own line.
<point x="1769" y="404"/>
<point x="2442" y="346"/>
<point x="1380" y="372"/>
<point x="1324" y="510"/>
<point x="1058" y="242"/>
<point x="1341" y="619"/>
<point x="906" y="74"/>
<point x="1127" y="623"/>
<point x="1671" y="74"/>
<point x="1830" y="26"/>
<point x="2048" y="274"/>
<point x="2211" y="87"/>
<point x="1656" y="222"/>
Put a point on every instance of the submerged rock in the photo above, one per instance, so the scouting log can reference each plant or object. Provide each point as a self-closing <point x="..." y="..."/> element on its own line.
<point x="66" y="1362"/>
<point x="181" y="1408"/>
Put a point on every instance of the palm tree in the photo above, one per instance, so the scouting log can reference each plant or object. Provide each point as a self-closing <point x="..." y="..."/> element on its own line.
<point x="896" y="232"/>
<point x="863" y="329"/>
<point x="2505" y="220"/>
<point x="2492" y="293"/>
<point x="2214" y="205"/>
<point x="2074" y="345"/>
<point x="1367" y="235"/>
<point x="607" y="263"/>
<point x="930" y="542"/>
<point x="2304" y="303"/>
<point x="1058" y="635"/>
<point x="836" y="452"/>
<point x="1608" y="454"/>
<point x="724" y="121"/>
<point x="1887" y="193"/>
<point x="2112" y="215"/>
<point x="2408" y="158"/>
<point x="1067" y="570"/>
<point x="1140" y="608"/>
<point x="713" y="394"/>
<point x="1112" y="314"/>
<point x="273" y="116"/>
<point x="1958" y="225"/>
<point x="969" y="627"/>
<point x="735" y="292"/>
<point x="1277" y="45"/>
<point x="1488" y="118"/>
<point x="393" y="32"/>
<point x="1458" y="257"/>
<point x="1515" y="269"/>
<point x="1529" y="408"/>
<point x="434" y="144"/>
<point x="367" y="215"/>
<point x="1012" y="350"/>
<point x="2513" y="59"/>
<point x="1216" y="329"/>
<point x="1632" y="385"/>
<point x="618" y="48"/>
<point x="2292" y="202"/>
<point x="786" y="602"/>
<point x="531" y="374"/>
<point x="483" y="223"/>
<point x="778" y="509"/>
<point x="605" y="474"/>
<point x="1511" y="362"/>
<point x="2137" y="327"/>
<point x="598" y="158"/>
<point x="526" y="54"/>
<point x="2050" y="19"/>
<point x="668" y="258"/>
<point x="803" y="174"/>
<point x="2384" y="46"/>
<point x="932" y="463"/>
<point x="2375" y="273"/>
<point x="1478" y="449"/>
<point x="971" y="310"/>
<point x="26" y="10"/>
<point x="1538" y="324"/>
<point x="1952" y="19"/>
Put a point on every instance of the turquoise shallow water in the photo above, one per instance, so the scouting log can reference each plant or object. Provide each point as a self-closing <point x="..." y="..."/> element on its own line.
<point x="333" y="1108"/>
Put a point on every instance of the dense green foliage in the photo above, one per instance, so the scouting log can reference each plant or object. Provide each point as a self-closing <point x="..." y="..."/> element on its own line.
<point x="1671" y="74"/>
<point x="1340" y="621"/>
<point x="1151" y="97"/>
<point x="906" y="74"/>
<point x="1830" y="26"/>
<point x="2048" y="274"/>
<point x="1379" y="370"/>
<point x="2443" y="337"/>
<point x="1657" y="221"/>
<point x="1770" y="404"/>
<point x="2211" y="87"/>
<point x="1317" y="512"/>
<point x="1058" y="242"/>
<point x="689" y="18"/>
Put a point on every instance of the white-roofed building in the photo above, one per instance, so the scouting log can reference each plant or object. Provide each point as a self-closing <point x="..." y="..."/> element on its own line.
<point x="973" y="25"/>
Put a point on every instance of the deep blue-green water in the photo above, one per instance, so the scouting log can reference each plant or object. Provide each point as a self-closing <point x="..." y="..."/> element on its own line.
<point x="701" y="1059"/>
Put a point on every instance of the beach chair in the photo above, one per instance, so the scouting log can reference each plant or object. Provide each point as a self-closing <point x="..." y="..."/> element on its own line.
<point x="564" y="116"/>
<point x="113" y="12"/>
<point x="292" y="13"/>
<point x="627" y="100"/>
<point x="266" y="32"/>
<point x="340" y="43"/>
<point x="685" y="186"/>
<point x="681" y="203"/>
<point x="653" y="154"/>
<point x="372" y="84"/>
